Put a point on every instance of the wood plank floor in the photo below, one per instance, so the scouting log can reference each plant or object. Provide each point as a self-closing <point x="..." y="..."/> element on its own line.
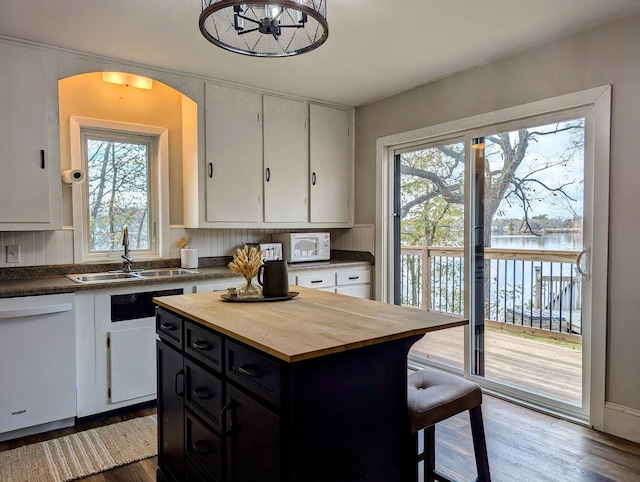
<point x="551" y="369"/>
<point x="523" y="446"/>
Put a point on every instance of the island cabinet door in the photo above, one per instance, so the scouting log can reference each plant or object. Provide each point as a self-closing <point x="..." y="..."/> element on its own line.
<point x="171" y="409"/>
<point x="254" y="448"/>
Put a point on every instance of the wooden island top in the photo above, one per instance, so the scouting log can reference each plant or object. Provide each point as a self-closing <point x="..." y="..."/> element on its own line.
<point x="311" y="325"/>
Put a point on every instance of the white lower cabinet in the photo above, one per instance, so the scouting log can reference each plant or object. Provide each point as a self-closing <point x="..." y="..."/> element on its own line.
<point x="353" y="281"/>
<point x="350" y="282"/>
<point x="116" y="336"/>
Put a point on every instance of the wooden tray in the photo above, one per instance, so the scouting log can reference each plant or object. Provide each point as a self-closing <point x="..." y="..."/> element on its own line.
<point x="292" y="294"/>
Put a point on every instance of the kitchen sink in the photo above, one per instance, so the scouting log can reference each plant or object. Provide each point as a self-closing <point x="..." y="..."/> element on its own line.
<point x="164" y="272"/>
<point x="114" y="276"/>
<point x="101" y="277"/>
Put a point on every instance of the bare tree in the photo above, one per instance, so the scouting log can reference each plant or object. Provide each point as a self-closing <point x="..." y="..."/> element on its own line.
<point x="504" y="182"/>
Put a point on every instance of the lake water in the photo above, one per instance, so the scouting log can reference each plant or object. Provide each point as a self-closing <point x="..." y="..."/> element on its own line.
<point x="554" y="241"/>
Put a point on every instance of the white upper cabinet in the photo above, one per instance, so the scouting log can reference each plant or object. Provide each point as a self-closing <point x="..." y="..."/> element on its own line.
<point x="233" y="127"/>
<point x="30" y="185"/>
<point x="286" y="160"/>
<point x="330" y="165"/>
<point x="263" y="153"/>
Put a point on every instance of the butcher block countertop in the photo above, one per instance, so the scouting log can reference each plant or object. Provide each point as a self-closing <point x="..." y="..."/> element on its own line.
<point x="313" y="324"/>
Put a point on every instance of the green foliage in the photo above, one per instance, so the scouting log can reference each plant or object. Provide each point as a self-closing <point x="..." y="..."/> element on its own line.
<point x="435" y="220"/>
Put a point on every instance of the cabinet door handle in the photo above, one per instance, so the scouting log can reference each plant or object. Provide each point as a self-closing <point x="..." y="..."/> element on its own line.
<point x="202" y="448"/>
<point x="224" y="419"/>
<point x="202" y="393"/>
<point x="175" y="383"/>
<point x="201" y="345"/>
<point x="267" y="174"/>
<point x="313" y="179"/>
<point x="316" y="281"/>
<point x="167" y="327"/>
<point x="210" y="170"/>
<point x="41" y="158"/>
<point x="250" y="371"/>
<point x="354" y="277"/>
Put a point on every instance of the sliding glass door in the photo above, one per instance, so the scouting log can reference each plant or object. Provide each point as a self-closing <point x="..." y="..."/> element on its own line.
<point x="528" y="214"/>
<point x="429" y="231"/>
<point x="507" y="206"/>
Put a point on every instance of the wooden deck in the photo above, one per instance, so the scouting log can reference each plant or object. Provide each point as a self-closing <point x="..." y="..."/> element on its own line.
<point x="549" y="368"/>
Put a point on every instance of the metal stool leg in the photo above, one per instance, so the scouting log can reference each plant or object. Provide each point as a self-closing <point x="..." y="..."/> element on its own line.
<point x="479" y="444"/>
<point x="429" y="453"/>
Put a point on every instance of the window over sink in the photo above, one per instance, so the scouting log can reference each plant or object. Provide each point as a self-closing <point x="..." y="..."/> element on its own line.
<point x="126" y="185"/>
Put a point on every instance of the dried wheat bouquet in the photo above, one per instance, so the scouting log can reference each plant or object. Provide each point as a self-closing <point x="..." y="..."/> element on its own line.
<point x="246" y="262"/>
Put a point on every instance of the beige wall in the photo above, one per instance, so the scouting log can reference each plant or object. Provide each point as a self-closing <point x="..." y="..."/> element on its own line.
<point x="87" y="95"/>
<point x="607" y="55"/>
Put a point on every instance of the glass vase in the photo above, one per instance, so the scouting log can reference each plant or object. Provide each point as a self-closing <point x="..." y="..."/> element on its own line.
<point x="248" y="290"/>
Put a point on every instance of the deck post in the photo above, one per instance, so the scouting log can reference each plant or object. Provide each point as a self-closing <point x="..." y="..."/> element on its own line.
<point x="426" y="276"/>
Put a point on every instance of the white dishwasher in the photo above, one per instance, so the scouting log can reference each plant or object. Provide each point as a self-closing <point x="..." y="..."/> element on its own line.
<point x="37" y="361"/>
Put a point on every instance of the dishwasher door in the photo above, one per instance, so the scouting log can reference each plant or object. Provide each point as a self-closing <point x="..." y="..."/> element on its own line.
<point x="37" y="360"/>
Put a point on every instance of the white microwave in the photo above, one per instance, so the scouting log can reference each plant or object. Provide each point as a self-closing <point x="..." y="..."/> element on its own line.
<point x="300" y="247"/>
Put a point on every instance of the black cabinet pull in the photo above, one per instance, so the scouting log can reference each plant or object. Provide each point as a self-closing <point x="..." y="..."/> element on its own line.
<point x="202" y="393"/>
<point x="267" y="174"/>
<point x="210" y="170"/>
<point x="167" y="327"/>
<point x="41" y="158"/>
<point x="202" y="448"/>
<point x="250" y="371"/>
<point x="228" y="422"/>
<point x="175" y="383"/>
<point x="201" y="345"/>
<point x="313" y="179"/>
<point x="316" y="281"/>
<point x="354" y="277"/>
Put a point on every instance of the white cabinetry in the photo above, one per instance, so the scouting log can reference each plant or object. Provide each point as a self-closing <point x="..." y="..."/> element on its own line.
<point x="233" y="127"/>
<point x="30" y="186"/>
<point x="348" y="281"/>
<point x="271" y="162"/>
<point x="116" y="337"/>
<point x="330" y="165"/>
<point x="286" y="160"/>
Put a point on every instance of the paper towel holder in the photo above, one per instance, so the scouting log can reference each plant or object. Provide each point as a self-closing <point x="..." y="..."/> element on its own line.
<point x="71" y="176"/>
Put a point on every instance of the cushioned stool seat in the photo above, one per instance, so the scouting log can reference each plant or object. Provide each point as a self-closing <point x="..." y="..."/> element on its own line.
<point x="434" y="396"/>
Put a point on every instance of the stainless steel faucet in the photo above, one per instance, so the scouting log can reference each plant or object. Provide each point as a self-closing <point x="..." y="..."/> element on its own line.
<point x="127" y="261"/>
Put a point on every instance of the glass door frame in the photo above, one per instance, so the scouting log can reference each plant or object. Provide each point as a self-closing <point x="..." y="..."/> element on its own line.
<point x="597" y="103"/>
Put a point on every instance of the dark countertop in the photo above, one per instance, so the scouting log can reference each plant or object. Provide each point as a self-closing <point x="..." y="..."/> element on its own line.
<point x="51" y="279"/>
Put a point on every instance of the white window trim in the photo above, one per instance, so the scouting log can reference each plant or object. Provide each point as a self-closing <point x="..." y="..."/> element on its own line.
<point x="80" y="250"/>
<point x="599" y="98"/>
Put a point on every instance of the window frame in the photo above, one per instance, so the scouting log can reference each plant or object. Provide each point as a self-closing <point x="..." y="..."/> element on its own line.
<point x="158" y="188"/>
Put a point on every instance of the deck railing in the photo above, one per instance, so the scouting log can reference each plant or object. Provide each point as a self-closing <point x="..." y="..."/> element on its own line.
<point x="534" y="288"/>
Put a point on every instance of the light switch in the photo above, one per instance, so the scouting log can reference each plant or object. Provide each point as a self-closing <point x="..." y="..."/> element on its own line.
<point x="13" y="253"/>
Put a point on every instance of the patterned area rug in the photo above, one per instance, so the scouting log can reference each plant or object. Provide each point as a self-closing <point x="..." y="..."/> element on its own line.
<point x="81" y="454"/>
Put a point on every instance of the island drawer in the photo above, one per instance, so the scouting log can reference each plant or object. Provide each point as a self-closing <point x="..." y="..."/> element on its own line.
<point x="169" y="327"/>
<point x="254" y="371"/>
<point x="203" y="393"/>
<point x="203" y="345"/>
<point x="203" y="446"/>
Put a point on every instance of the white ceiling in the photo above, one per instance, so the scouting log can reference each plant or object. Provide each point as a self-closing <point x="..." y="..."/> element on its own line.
<point x="375" y="48"/>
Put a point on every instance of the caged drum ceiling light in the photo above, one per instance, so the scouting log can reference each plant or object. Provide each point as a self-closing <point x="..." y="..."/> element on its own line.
<point x="265" y="28"/>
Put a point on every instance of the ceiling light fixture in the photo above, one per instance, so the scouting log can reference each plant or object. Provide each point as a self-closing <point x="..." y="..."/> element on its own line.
<point x="265" y="28"/>
<point x="128" y="80"/>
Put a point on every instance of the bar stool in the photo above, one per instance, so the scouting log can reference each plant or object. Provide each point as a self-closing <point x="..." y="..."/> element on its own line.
<point x="434" y="396"/>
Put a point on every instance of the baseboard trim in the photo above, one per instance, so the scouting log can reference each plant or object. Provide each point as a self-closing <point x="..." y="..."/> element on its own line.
<point x="622" y="421"/>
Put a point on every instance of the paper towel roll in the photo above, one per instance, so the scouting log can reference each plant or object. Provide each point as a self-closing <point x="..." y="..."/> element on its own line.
<point x="72" y="175"/>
